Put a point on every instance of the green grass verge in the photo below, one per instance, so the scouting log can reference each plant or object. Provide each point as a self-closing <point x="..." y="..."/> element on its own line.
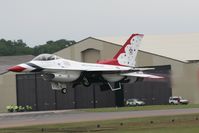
<point x="139" y="108"/>
<point x="163" y="124"/>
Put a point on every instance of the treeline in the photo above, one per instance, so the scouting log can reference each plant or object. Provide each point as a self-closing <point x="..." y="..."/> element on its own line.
<point x="8" y="47"/>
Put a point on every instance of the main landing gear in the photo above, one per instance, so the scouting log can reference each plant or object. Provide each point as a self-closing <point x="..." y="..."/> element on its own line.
<point x="85" y="82"/>
<point x="64" y="90"/>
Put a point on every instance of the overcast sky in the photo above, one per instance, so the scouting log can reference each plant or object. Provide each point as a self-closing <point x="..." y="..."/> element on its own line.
<point x="37" y="21"/>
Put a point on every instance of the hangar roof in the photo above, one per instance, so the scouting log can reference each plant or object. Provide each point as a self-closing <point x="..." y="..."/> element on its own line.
<point x="7" y="61"/>
<point x="181" y="47"/>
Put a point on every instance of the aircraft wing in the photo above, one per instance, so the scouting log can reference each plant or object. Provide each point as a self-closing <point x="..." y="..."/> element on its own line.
<point x="89" y="68"/>
<point x="142" y="75"/>
<point x="98" y="69"/>
<point x="86" y="69"/>
<point x="137" y="72"/>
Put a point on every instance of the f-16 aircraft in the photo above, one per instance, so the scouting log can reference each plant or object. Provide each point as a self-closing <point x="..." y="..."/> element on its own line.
<point x="62" y="73"/>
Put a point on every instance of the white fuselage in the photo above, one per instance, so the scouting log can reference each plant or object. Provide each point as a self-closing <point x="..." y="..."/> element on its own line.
<point x="65" y="64"/>
<point x="63" y="70"/>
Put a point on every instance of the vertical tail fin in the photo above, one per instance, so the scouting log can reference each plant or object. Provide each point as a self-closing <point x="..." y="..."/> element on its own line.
<point x="127" y="54"/>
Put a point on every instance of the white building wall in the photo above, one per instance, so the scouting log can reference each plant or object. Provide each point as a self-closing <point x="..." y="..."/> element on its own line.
<point x="7" y="91"/>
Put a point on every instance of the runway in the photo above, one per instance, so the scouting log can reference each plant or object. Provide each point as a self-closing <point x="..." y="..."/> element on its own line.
<point x="69" y="116"/>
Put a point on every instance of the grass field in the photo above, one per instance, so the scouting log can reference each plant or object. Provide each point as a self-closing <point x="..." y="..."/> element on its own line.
<point x="166" y="124"/>
<point x="138" y="108"/>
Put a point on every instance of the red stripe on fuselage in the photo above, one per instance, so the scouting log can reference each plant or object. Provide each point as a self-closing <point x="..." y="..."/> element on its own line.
<point x="109" y="62"/>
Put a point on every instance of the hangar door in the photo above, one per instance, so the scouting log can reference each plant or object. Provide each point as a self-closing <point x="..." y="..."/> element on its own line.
<point x="34" y="91"/>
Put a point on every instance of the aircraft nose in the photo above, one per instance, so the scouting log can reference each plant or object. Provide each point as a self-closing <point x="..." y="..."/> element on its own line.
<point x="16" y="68"/>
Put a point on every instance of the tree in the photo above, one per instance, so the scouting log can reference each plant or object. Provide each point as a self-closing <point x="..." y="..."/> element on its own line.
<point x="8" y="47"/>
<point x="52" y="46"/>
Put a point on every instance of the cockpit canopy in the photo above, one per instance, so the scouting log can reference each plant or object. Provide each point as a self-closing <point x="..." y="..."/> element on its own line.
<point x="46" y="57"/>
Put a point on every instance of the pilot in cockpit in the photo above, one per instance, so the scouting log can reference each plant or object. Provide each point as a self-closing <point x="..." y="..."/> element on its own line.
<point x="46" y="57"/>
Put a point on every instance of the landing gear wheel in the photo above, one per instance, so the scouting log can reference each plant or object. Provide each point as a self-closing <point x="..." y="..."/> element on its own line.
<point x="64" y="90"/>
<point x="85" y="82"/>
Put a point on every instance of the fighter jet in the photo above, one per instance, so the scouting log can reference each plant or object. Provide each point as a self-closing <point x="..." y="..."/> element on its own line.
<point x="62" y="73"/>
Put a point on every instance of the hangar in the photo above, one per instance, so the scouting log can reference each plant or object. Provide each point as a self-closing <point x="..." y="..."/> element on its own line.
<point x="169" y="53"/>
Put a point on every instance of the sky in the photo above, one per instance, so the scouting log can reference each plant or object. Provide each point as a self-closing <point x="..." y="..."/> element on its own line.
<point x="38" y="21"/>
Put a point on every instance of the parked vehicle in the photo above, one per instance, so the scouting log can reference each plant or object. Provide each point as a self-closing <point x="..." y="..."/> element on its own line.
<point x="134" y="102"/>
<point x="178" y="100"/>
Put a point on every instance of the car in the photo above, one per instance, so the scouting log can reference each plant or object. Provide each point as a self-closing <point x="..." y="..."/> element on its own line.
<point x="134" y="102"/>
<point x="178" y="100"/>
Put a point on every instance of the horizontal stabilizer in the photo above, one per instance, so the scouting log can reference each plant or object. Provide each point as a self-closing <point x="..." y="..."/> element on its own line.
<point x="142" y="75"/>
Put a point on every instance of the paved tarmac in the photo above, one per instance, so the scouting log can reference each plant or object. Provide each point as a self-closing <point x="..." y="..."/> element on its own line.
<point x="69" y="116"/>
